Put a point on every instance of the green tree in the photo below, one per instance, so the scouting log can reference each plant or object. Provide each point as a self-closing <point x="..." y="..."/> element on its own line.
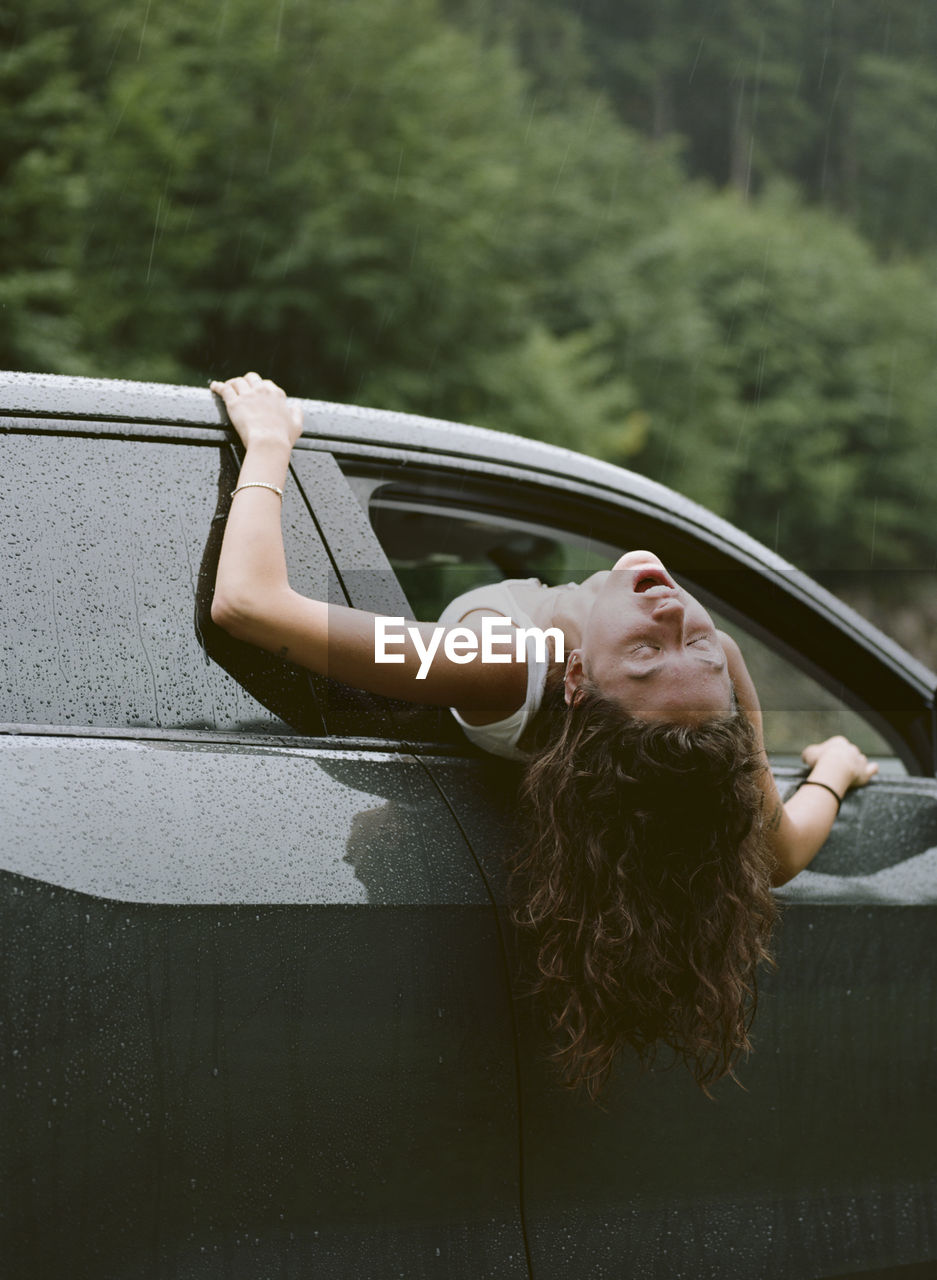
<point x="796" y="387"/>
<point x="375" y="202"/>
<point x="361" y="199"/>
<point x="895" y="133"/>
<point x="42" y="193"/>
<point x="835" y="97"/>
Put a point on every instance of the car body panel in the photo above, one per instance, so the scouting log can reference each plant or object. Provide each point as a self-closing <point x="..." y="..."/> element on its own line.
<point x="262" y="1009"/>
<point x="246" y="1032"/>
<point x="383" y="433"/>
<point x="189" y="823"/>
<point x="823" y="1158"/>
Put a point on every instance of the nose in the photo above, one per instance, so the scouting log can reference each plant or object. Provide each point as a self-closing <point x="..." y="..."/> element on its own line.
<point x="670" y="614"/>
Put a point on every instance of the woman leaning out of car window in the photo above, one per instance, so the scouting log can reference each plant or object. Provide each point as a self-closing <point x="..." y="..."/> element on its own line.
<point x="655" y="829"/>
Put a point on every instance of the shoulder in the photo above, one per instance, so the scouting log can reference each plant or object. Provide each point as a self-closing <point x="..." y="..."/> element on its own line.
<point x="500" y="687"/>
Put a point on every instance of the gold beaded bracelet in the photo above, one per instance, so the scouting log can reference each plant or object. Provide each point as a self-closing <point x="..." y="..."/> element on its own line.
<point x="258" y="484"/>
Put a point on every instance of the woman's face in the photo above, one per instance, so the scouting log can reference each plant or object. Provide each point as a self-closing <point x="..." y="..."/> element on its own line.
<point x="652" y="647"/>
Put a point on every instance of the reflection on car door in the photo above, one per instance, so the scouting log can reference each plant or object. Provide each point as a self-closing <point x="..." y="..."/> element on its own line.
<point x="824" y="1161"/>
<point x="255" y="1011"/>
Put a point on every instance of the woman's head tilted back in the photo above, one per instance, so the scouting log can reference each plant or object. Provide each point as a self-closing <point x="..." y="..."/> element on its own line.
<point x="650" y="646"/>
<point x="643" y="881"/>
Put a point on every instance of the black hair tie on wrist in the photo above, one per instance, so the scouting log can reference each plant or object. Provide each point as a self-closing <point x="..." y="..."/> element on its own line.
<point x="809" y="782"/>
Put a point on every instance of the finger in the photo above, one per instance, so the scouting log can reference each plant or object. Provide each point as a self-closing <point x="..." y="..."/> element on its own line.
<point x="866" y="774"/>
<point x="253" y="378"/>
<point x="239" y="385"/>
<point x="225" y="390"/>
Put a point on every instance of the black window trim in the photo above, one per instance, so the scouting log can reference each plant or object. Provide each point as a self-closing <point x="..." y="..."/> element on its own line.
<point x="387" y="736"/>
<point x="911" y="722"/>
<point x="904" y="711"/>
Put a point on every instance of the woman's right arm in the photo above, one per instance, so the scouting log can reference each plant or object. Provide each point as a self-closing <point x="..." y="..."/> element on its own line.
<point x="254" y="601"/>
<point x="797" y="828"/>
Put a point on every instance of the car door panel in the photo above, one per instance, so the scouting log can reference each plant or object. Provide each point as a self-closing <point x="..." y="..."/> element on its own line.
<point x="255" y="1018"/>
<point x="824" y="1157"/>
<point x="823" y="1161"/>
<point x="255" y="1014"/>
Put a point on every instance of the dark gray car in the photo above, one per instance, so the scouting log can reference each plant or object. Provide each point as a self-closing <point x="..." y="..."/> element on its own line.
<point x="260" y="1015"/>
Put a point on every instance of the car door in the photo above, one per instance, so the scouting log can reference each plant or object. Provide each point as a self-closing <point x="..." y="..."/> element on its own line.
<point x="822" y="1159"/>
<point x="255" y="1017"/>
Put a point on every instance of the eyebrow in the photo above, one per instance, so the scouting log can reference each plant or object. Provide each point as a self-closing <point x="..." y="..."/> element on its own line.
<point x="650" y="671"/>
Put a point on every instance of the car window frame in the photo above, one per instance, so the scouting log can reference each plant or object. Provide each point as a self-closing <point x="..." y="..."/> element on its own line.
<point x="200" y="435"/>
<point x="903" y="710"/>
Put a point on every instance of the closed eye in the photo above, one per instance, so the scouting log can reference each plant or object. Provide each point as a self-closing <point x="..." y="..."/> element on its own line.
<point x="645" y="644"/>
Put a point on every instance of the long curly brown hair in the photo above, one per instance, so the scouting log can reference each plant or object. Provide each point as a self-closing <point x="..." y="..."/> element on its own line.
<point x="643" y="885"/>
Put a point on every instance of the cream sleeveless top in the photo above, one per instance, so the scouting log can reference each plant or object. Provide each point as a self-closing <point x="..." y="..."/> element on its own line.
<point x="501" y="737"/>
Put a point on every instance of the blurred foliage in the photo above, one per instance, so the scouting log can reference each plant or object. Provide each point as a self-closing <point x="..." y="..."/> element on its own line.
<point x="797" y="387"/>
<point x="838" y="97"/>
<point x="693" y="239"/>
<point x="42" y="194"/>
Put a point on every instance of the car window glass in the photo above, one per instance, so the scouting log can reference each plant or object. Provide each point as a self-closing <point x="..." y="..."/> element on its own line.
<point x="106" y="553"/>
<point x="439" y="551"/>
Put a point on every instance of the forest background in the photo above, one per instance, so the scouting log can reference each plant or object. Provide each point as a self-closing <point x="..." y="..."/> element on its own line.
<point x="694" y="237"/>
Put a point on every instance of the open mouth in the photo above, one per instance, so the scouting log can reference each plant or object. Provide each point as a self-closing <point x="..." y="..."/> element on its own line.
<point x="648" y="578"/>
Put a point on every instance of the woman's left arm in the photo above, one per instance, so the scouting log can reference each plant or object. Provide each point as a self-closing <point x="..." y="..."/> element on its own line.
<point x="253" y="599"/>
<point x="796" y="829"/>
<point x="252" y="575"/>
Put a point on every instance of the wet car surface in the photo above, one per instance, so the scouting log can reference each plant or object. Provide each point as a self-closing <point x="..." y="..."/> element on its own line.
<point x="260" y="1010"/>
